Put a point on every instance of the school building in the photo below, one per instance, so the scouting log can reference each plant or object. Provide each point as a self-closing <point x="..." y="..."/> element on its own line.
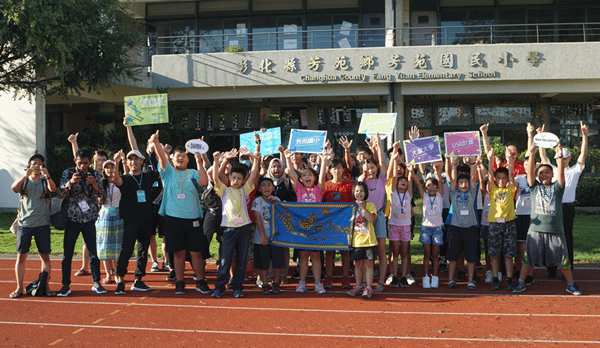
<point x="442" y="65"/>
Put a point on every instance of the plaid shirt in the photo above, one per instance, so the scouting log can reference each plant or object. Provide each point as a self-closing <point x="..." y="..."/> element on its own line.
<point x="81" y="191"/>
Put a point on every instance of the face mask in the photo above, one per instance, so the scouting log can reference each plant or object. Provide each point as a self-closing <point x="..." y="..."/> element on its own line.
<point x="247" y="163"/>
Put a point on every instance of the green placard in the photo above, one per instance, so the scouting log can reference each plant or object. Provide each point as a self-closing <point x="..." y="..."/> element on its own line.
<point x="146" y="109"/>
<point x="382" y="123"/>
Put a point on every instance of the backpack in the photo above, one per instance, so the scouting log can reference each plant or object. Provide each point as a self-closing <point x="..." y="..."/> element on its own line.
<point x="209" y="199"/>
<point x="38" y="286"/>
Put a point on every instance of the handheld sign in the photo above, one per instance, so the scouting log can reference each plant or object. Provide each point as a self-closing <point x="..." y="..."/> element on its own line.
<point x="146" y="109"/>
<point x="196" y="146"/>
<point x="545" y="140"/>
<point x="306" y="141"/>
<point x="462" y="144"/>
<point x="377" y="123"/>
<point x="422" y="150"/>
<point x="270" y="140"/>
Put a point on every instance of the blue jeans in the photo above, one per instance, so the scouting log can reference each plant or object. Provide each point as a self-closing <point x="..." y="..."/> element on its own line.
<point x="88" y="231"/>
<point x="235" y="240"/>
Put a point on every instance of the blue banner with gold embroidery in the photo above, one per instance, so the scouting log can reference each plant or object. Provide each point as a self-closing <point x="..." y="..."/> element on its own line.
<point x="314" y="226"/>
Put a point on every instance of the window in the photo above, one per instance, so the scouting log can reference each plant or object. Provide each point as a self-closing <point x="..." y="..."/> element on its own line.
<point x="268" y="40"/>
<point x="319" y="32"/>
<point x="345" y="34"/>
<point x="453" y="116"/>
<point x="290" y="33"/>
<point x="210" y="33"/>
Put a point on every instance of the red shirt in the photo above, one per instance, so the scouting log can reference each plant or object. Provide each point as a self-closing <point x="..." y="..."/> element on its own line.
<point x="338" y="193"/>
<point x="519" y="167"/>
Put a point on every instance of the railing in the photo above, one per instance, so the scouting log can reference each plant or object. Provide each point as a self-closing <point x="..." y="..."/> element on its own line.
<point x="189" y="42"/>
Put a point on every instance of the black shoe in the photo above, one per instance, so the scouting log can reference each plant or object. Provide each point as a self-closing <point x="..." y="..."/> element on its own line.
<point x="180" y="288"/>
<point x="476" y="278"/>
<point x="99" y="289"/>
<point x="551" y="273"/>
<point x="139" y="285"/>
<point x="529" y="280"/>
<point x="495" y="283"/>
<point x="461" y="277"/>
<point x="403" y="282"/>
<point x="171" y="277"/>
<point x="120" y="289"/>
<point x="396" y="282"/>
<point x="296" y="274"/>
<point x="276" y="289"/>
<point x="265" y="290"/>
<point x="516" y="275"/>
<point x="64" y="291"/>
<point x="509" y="284"/>
<point x="202" y="286"/>
<point x="478" y="265"/>
<point x="443" y="267"/>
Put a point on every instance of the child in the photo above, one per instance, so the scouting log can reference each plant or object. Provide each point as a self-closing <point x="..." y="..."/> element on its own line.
<point x="400" y="196"/>
<point x="237" y="232"/>
<point x="364" y="241"/>
<point x="308" y="189"/>
<point x="431" y="226"/>
<point x="463" y="232"/>
<point x="263" y="252"/>
<point x="485" y="224"/>
<point x="337" y="190"/>
<point x="546" y="242"/>
<point x="502" y="238"/>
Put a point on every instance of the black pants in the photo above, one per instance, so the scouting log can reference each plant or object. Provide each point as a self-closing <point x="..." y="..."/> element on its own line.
<point x="133" y="232"/>
<point x="88" y="231"/>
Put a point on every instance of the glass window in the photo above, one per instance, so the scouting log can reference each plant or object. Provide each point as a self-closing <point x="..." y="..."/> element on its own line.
<point x="497" y="114"/>
<point x="571" y="33"/>
<point x="593" y="30"/>
<point x="421" y="116"/>
<point x="454" y="19"/>
<point x="543" y="28"/>
<point x="453" y="116"/>
<point x="236" y="32"/>
<point x="290" y="33"/>
<point x="183" y="40"/>
<point x="158" y="44"/>
<point x="264" y="33"/>
<point x="319" y="32"/>
<point x="511" y="34"/>
<point x="369" y="36"/>
<point x="345" y="34"/>
<point x="210" y="35"/>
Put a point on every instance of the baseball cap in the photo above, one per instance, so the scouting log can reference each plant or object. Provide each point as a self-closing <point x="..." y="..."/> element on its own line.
<point x="137" y="153"/>
<point x="566" y="153"/>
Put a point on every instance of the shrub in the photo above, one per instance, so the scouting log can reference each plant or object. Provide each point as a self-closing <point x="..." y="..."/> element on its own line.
<point x="588" y="191"/>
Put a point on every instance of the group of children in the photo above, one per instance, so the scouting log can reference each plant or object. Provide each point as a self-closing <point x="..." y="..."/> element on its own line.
<point x="247" y="183"/>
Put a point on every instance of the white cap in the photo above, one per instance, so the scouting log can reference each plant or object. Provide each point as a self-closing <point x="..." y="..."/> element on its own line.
<point x="137" y="153"/>
<point x="108" y="162"/>
<point x="566" y="152"/>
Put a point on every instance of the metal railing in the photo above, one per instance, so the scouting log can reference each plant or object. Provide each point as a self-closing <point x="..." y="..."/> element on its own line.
<point x="189" y="42"/>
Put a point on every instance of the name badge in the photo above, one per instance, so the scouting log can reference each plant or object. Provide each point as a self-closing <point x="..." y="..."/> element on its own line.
<point x="364" y="231"/>
<point x="464" y="212"/>
<point x="550" y="208"/>
<point x="239" y="220"/>
<point x="431" y="212"/>
<point x="84" y="206"/>
<point x="181" y="196"/>
<point x="141" y="196"/>
<point x="155" y="184"/>
<point x="196" y="224"/>
<point x="500" y="220"/>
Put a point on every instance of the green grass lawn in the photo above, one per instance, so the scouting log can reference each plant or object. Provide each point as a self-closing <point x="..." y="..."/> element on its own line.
<point x="587" y="240"/>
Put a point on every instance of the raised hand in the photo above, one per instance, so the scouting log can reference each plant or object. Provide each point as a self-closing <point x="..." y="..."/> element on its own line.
<point x="541" y="129"/>
<point x="73" y="138"/>
<point x="484" y="128"/>
<point x="530" y="128"/>
<point x="584" y="128"/>
<point x="346" y="144"/>
<point x="45" y="172"/>
<point x="154" y="138"/>
<point x="414" y="133"/>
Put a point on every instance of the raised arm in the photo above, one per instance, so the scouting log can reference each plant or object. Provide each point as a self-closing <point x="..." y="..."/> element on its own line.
<point x="115" y="175"/>
<point x="347" y="145"/>
<point x="396" y="157"/>
<point x="480" y="174"/>
<point x="543" y="155"/>
<point x="291" y="171"/>
<point x="511" y="171"/>
<point x="202" y="176"/>
<point x="531" y="165"/>
<point x="490" y="173"/>
<point x="160" y="152"/>
<point x="452" y="177"/>
<point x="486" y="141"/>
<point x="323" y="171"/>
<point x="380" y="154"/>
<point x="74" y="146"/>
<point x="412" y="178"/>
<point x="130" y="135"/>
<point x="394" y="171"/>
<point x="438" y="171"/>
<point x="584" y="144"/>
<point x="473" y="172"/>
<point x="560" y="163"/>
<point x="255" y="167"/>
<point x="530" y="130"/>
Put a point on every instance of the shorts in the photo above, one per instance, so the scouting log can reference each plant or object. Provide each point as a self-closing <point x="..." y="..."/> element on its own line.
<point x="462" y="239"/>
<point x="546" y="249"/>
<point x="185" y="234"/>
<point x="380" y="225"/>
<point x="212" y="224"/>
<point x="158" y="221"/>
<point x="399" y="233"/>
<point x="485" y="232"/>
<point x="431" y="235"/>
<point x="41" y="235"/>
<point x="365" y="253"/>
<point x="522" y="222"/>
<point x="264" y="254"/>
<point x="502" y="239"/>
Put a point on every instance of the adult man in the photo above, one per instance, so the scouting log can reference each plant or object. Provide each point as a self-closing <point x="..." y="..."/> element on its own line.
<point x="81" y="185"/>
<point x="135" y="209"/>
<point x="511" y="151"/>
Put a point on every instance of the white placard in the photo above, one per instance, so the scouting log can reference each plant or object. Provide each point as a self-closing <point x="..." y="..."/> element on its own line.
<point x="345" y="29"/>
<point x="290" y="44"/>
<point x="196" y="146"/>
<point x="545" y="140"/>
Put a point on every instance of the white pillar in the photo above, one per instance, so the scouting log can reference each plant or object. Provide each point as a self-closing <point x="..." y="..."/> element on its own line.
<point x="389" y="23"/>
<point x="398" y="105"/>
<point x="402" y="33"/>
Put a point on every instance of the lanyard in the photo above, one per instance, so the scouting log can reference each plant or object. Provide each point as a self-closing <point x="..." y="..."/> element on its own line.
<point x="179" y="180"/>
<point x="140" y="182"/>
<point x="402" y="201"/>
<point x="464" y="198"/>
<point x="432" y="202"/>
<point x="549" y="193"/>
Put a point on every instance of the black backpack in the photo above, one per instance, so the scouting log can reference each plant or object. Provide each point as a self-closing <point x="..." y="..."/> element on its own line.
<point x="209" y="199"/>
<point x="38" y="287"/>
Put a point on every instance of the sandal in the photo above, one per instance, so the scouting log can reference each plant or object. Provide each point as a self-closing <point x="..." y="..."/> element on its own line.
<point x="15" y="294"/>
<point x="379" y="288"/>
<point x="471" y="286"/>
<point x="451" y="284"/>
<point x="50" y="293"/>
<point x="81" y="272"/>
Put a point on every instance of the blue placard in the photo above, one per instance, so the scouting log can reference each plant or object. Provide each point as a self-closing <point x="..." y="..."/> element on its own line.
<point x="307" y="141"/>
<point x="270" y="140"/>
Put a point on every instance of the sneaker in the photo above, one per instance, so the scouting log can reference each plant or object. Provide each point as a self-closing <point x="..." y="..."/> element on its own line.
<point x="488" y="276"/>
<point x="202" y="286"/>
<point x="155" y="267"/>
<point x="180" y="288"/>
<point x="509" y="284"/>
<point x="99" y="289"/>
<point x="216" y="293"/>
<point x="389" y="279"/>
<point x="367" y="293"/>
<point x="435" y="282"/>
<point x="495" y="283"/>
<point x="346" y="283"/>
<point x="328" y="283"/>
<point x="574" y="289"/>
<point x="479" y="265"/>
<point x="426" y="282"/>
<point x="395" y="281"/>
<point x="195" y="278"/>
<point x="171" y="277"/>
<point x="276" y="290"/>
<point x="64" y="291"/>
<point x="238" y="293"/>
<point x="319" y="289"/>
<point x="120" y="289"/>
<point x="519" y="287"/>
<point x="461" y="276"/>
<point x="139" y="285"/>
<point x="259" y="283"/>
<point x="403" y="282"/>
<point x="301" y="286"/>
<point x="410" y="279"/>
<point x="265" y="290"/>
<point x="355" y="291"/>
<point x="296" y="274"/>
<point x="529" y="280"/>
<point x="165" y="267"/>
<point x="500" y="276"/>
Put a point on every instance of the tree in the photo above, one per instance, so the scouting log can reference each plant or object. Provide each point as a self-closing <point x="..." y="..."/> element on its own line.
<point x="64" y="46"/>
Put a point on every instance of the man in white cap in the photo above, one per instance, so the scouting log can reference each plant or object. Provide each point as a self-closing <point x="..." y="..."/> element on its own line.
<point x="135" y="209"/>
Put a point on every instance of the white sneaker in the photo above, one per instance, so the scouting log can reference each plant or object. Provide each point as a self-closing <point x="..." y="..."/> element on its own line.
<point x="410" y="279"/>
<point x="435" y="282"/>
<point x="500" y="276"/>
<point x="488" y="277"/>
<point x="426" y="282"/>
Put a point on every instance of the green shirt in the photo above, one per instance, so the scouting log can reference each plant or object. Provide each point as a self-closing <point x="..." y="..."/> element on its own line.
<point x="546" y="213"/>
<point x="34" y="209"/>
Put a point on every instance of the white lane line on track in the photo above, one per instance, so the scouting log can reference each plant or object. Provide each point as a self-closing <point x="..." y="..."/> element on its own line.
<point x="300" y="335"/>
<point x="307" y="310"/>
